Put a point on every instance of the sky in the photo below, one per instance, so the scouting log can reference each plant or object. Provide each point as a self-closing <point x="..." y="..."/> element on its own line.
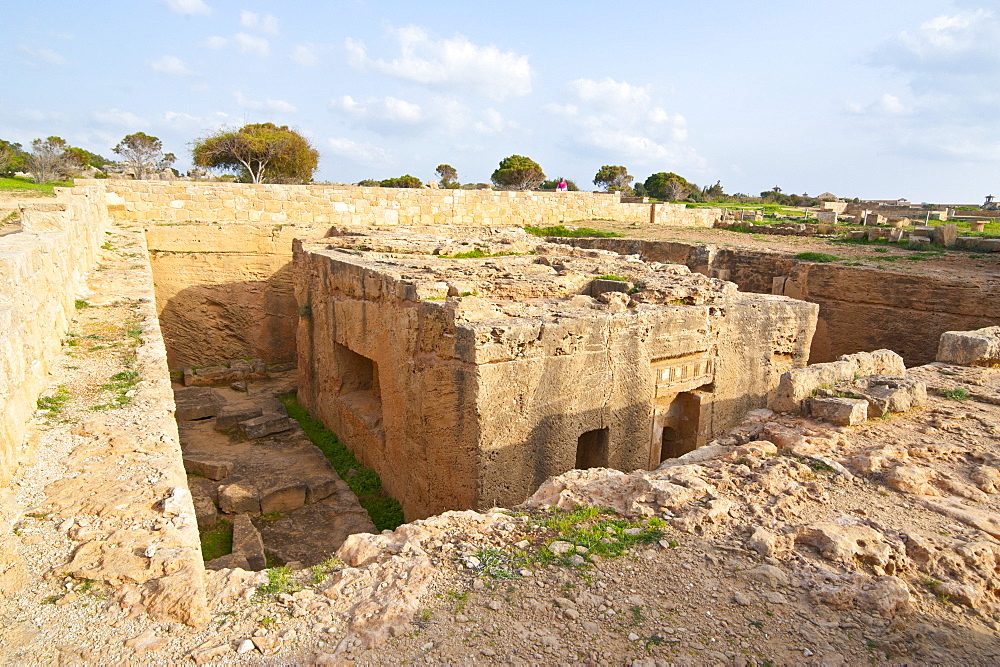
<point x="872" y="99"/>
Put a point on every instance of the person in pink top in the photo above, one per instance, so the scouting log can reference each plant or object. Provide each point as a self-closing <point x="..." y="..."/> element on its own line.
<point x="562" y="185"/>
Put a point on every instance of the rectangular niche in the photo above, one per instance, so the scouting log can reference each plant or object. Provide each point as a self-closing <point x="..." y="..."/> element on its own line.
<point x="592" y="449"/>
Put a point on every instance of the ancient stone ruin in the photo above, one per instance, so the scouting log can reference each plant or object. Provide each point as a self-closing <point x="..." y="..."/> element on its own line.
<point x="466" y="382"/>
<point x="472" y="366"/>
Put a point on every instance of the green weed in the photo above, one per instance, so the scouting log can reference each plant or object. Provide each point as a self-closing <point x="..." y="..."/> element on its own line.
<point x="956" y="394"/>
<point x="611" y="276"/>
<point x="566" y="232"/>
<point x="80" y="304"/>
<point x="54" y="404"/>
<point x="385" y="512"/>
<point x="279" y="581"/>
<point x="817" y="257"/>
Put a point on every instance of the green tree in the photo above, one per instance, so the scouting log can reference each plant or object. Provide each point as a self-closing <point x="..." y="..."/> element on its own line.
<point x="50" y="160"/>
<point x="714" y="192"/>
<point x="552" y="184"/>
<point x="518" y="173"/>
<point x="12" y="157"/>
<point x="87" y="159"/>
<point x="404" y="181"/>
<point x="448" y="175"/>
<point x="669" y="186"/>
<point x="613" y="178"/>
<point x="260" y="152"/>
<point x="143" y="155"/>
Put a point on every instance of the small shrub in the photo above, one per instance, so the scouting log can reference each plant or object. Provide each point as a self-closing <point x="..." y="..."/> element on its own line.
<point x="956" y="394"/>
<point x="80" y="304"/>
<point x="217" y="541"/>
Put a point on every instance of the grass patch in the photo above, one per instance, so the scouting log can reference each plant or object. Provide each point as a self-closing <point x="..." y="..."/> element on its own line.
<point x="80" y="304"/>
<point x="956" y="394"/>
<point x="385" y="512"/>
<point x="121" y="383"/>
<point x="478" y="253"/>
<point x="217" y="541"/>
<point x="566" y="232"/>
<point x="611" y="276"/>
<point x="18" y="183"/>
<point x="817" y="257"/>
<point x="53" y="404"/>
<point x="279" y="580"/>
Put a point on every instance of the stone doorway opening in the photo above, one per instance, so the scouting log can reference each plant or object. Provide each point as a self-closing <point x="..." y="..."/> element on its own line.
<point x="592" y="449"/>
<point x="675" y="426"/>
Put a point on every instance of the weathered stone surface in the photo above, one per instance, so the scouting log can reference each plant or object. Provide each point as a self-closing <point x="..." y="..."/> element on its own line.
<point x="945" y="235"/>
<point x="197" y="403"/>
<point x="231" y="415"/>
<point x="205" y="511"/>
<point x="239" y="499"/>
<point x="229" y="561"/>
<point x="970" y="348"/>
<point x="248" y="543"/>
<point x="886" y="393"/>
<point x="912" y="479"/>
<point x="209" y="468"/>
<point x="846" y="540"/>
<point x="799" y="384"/>
<point x="836" y="410"/>
<point x="236" y="370"/>
<point x="268" y="424"/>
<point x="282" y="497"/>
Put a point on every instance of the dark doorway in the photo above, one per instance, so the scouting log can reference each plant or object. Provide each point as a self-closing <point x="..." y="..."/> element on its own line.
<point x="592" y="449"/>
<point x="671" y="444"/>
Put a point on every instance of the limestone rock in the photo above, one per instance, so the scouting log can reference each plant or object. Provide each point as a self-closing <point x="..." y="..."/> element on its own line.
<point x="209" y="468"/>
<point x="797" y="385"/>
<point x="886" y="393"/>
<point x="197" y="403"/>
<point x="248" y="543"/>
<point x="987" y="478"/>
<point x="847" y="541"/>
<point x="768" y="544"/>
<point x="267" y="424"/>
<point x="205" y="511"/>
<point x="231" y="415"/>
<point x="912" y="479"/>
<point x="888" y="595"/>
<point x="980" y="347"/>
<point x="239" y="499"/>
<point x="282" y="497"/>
<point x="836" y="410"/>
<point x="229" y="561"/>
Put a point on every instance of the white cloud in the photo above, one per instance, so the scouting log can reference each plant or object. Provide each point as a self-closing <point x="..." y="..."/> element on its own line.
<point x="188" y="6"/>
<point x="492" y="122"/>
<point x="386" y="111"/>
<point x="266" y="23"/>
<point x="171" y="65"/>
<point x="187" y="122"/>
<point x="119" y="118"/>
<point x="365" y="154"/>
<point x="306" y="55"/>
<point x="449" y="63"/>
<point x="37" y="57"/>
<point x="945" y="98"/>
<point x="622" y="122"/>
<point x="252" y="44"/>
<point x="276" y="106"/>
<point x="216" y="42"/>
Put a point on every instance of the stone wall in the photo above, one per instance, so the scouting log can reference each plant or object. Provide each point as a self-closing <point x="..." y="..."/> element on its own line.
<point x="465" y="383"/>
<point x="221" y="252"/>
<point x="182" y="202"/>
<point x="861" y="308"/>
<point x="41" y="271"/>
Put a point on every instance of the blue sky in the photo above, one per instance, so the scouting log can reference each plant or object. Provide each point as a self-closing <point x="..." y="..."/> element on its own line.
<point x="876" y="99"/>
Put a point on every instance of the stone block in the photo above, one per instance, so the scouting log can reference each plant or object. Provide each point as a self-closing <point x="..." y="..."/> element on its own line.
<point x="319" y="488"/>
<point x="239" y="499"/>
<point x="197" y="403"/>
<point x="258" y="427"/>
<point x="897" y="234"/>
<point x="205" y="511"/>
<point x="980" y="347"/>
<point x="888" y="393"/>
<point x="945" y="235"/>
<point x="989" y="245"/>
<point x="842" y="411"/>
<point x="210" y="468"/>
<point x="282" y="497"/>
<point x="600" y="286"/>
<point x="229" y="561"/>
<point x="232" y="415"/>
<point x="248" y="543"/>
